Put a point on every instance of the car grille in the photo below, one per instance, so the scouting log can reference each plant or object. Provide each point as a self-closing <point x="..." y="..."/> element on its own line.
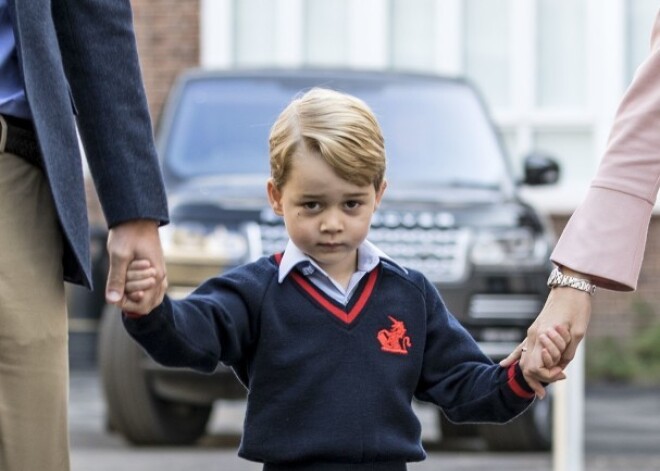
<point x="438" y="252"/>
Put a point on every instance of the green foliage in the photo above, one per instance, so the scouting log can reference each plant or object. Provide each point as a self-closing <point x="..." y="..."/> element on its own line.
<point x="609" y="359"/>
<point x="646" y="349"/>
<point x="636" y="359"/>
<point x="643" y="312"/>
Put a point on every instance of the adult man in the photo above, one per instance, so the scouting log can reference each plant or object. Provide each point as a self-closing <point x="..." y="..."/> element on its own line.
<point x="64" y="63"/>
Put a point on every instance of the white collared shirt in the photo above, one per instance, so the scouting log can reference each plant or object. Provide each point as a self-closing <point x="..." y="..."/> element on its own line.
<point x="369" y="257"/>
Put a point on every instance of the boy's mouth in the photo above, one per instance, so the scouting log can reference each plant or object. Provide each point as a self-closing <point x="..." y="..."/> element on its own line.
<point x="330" y="245"/>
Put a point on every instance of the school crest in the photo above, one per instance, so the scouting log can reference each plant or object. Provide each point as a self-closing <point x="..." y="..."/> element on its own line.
<point x="394" y="339"/>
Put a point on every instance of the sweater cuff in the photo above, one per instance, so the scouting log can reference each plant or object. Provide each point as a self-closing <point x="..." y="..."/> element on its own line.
<point x="517" y="384"/>
<point x="143" y="323"/>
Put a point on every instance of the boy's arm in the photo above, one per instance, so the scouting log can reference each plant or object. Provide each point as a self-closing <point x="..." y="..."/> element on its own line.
<point x="214" y="324"/>
<point x="459" y="378"/>
<point x="175" y="339"/>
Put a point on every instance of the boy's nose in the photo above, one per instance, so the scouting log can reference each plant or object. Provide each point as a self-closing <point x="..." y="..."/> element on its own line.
<point x="331" y="222"/>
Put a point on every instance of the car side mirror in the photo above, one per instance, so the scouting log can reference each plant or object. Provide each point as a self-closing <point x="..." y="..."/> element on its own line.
<point x="540" y="169"/>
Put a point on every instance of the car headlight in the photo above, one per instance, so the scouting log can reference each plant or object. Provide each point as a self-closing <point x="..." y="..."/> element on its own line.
<point x="194" y="252"/>
<point x="513" y="247"/>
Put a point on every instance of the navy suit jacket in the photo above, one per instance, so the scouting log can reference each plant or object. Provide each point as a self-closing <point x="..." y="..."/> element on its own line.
<point x="80" y="66"/>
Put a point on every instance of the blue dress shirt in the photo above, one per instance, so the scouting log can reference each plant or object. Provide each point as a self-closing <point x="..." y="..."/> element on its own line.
<point x="369" y="257"/>
<point x="12" y="92"/>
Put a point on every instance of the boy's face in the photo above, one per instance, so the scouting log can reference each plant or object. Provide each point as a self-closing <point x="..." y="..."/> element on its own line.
<point x="326" y="216"/>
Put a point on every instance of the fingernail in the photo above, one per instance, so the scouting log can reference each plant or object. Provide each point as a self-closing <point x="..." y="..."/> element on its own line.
<point x="113" y="296"/>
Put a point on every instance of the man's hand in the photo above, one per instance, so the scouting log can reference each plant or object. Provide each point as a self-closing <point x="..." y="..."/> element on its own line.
<point x="565" y="308"/>
<point x="131" y="240"/>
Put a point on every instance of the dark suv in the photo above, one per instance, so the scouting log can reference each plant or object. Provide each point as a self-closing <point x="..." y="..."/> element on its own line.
<point x="451" y="210"/>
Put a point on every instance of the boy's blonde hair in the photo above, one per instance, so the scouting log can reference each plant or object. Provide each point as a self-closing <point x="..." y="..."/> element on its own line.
<point x="340" y="127"/>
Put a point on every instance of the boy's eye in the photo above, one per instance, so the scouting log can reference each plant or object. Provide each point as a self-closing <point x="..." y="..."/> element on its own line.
<point x="311" y="205"/>
<point x="352" y="204"/>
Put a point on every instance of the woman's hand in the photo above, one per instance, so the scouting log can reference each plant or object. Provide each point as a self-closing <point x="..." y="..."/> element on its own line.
<point x="566" y="308"/>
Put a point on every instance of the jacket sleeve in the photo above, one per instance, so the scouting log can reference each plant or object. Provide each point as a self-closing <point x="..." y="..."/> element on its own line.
<point x="606" y="236"/>
<point x="459" y="378"/>
<point x="99" y="55"/>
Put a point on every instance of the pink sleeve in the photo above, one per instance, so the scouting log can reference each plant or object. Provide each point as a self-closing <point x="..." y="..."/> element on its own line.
<point x="606" y="235"/>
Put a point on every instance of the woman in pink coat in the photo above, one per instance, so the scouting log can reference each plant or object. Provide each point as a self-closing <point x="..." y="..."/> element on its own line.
<point x="603" y="242"/>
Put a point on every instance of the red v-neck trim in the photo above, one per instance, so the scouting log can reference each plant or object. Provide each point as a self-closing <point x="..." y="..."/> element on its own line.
<point x="342" y="315"/>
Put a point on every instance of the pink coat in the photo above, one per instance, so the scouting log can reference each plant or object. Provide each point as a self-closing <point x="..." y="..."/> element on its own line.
<point x="606" y="235"/>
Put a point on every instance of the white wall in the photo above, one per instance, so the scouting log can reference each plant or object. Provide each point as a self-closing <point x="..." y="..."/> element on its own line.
<point x="553" y="71"/>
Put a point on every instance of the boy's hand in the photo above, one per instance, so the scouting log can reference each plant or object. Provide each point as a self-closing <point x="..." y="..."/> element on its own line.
<point x="141" y="279"/>
<point x="554" y="343"/>
<point x="133" y="240"/>
<point x="567" y="307"/>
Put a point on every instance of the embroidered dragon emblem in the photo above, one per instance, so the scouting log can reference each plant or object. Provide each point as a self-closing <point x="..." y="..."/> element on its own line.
<point x="395" y="339"/>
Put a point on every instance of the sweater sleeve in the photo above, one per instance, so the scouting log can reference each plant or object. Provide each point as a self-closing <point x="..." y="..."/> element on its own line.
<point x="459" y="378"/>
<point x="216" y="323"/>
<point x="606" y="236"/>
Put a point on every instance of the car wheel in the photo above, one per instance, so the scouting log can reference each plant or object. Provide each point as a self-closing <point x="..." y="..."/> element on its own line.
<point x="531" y="431"/>
<point x="134" y="410"/>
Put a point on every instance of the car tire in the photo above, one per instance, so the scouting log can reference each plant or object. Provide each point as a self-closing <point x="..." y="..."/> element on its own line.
<point x="133" y="408"/>
<point x="531" y="431"/>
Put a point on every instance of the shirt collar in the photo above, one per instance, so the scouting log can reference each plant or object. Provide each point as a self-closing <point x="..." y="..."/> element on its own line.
<point x="369" y="256"/>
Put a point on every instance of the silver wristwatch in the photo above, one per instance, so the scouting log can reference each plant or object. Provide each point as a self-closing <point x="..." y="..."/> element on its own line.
<point x="557" y="278"/>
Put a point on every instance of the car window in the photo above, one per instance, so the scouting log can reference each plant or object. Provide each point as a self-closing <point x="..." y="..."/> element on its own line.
<point x="436" y="132"/>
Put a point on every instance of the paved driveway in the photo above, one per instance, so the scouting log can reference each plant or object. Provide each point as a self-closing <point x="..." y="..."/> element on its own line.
<point x="622" y="432"/>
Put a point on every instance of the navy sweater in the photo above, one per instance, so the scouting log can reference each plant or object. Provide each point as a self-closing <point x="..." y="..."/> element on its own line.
<point x="328" y="383"/>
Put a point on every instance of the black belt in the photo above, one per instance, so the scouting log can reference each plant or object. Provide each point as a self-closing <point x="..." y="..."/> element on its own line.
<point x="21" y="139"/>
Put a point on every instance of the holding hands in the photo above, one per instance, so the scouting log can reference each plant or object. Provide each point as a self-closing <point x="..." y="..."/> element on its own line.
<point x="542" y="362"/>
<point x="566" y="312"/>
<point x="135" y="240"/>
<point x="143" y="288"/>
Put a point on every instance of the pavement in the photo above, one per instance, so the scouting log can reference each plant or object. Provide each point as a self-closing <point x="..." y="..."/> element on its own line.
<point x="622" y="432"/>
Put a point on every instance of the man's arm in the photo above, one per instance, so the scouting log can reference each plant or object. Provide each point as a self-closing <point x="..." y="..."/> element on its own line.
<point x="99" y="54"/>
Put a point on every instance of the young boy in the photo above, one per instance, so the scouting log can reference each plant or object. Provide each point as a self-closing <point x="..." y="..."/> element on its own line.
<point x="332" y="338"/>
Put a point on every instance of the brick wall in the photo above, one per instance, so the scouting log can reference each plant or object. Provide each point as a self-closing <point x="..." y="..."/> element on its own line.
<point x="621" y="315"/>
<point x="167" y="33"/>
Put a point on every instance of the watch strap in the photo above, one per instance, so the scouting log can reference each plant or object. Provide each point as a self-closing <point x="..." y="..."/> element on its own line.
<point x="559" y="279"/>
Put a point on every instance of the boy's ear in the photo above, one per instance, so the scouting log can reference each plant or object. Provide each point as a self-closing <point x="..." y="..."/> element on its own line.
<point x="274" y="197"/>
<point x="380" y="192"/>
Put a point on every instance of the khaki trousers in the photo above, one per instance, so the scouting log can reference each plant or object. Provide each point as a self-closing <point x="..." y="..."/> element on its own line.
<point x="33" y="324"/>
